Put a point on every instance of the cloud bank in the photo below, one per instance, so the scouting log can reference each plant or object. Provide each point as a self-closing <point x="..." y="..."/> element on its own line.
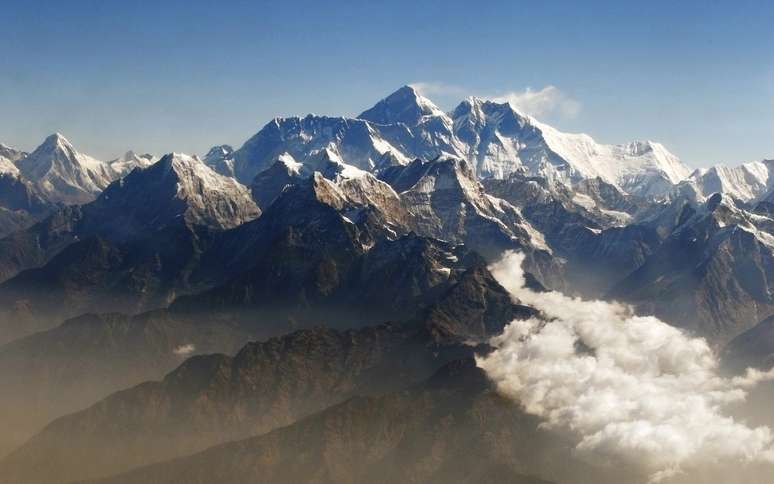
<point x="633" y="390"/>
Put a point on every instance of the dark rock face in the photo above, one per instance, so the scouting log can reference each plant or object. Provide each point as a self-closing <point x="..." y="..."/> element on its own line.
<point x="711" y="276"/>
<point x="448" y="300"/>
<point x="121" y="253"/>
<point x="447" y="202"/>
<point x="440" y="199"/>
<point x="598" y="248"/>
<point x="324" y="250"/>
<point x="130" y="209"/>
<point x="752" y="349"/>
<point x="320" y="252"/>
<point x="36" y="245"/>
<point x="473" y="310"/>
<point x="269" y="184"/>
<point x="175" y="187"/>
<point x="98" y="275"/>
<point x="132" y="249"/>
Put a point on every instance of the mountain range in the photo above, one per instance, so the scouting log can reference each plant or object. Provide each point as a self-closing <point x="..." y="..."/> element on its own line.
<point x="310" y="305"/>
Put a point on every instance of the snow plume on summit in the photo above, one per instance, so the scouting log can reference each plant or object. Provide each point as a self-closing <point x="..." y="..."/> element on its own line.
<point x="631" y="390"/>
<point x="542" y="102"/>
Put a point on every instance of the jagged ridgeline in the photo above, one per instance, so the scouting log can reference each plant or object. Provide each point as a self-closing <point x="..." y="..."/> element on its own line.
<point x="309" y="306"/>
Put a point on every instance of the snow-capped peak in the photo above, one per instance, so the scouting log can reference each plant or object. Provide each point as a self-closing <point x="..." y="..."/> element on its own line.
<point x="55" y="152"/>
<point x="64" y="174"/>
<point x="406" y="105"/>
<point x="212" y="199"/>
<point x="495" y="138"/>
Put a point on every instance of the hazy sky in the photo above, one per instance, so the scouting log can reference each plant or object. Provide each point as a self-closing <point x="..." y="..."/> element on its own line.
<point x="160" y="76"/>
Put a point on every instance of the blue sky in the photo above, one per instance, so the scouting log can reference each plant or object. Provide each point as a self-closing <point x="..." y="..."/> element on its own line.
<point x="185" y="75"/>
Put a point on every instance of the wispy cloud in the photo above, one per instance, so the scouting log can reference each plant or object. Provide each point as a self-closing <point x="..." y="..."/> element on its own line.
<point x="184" y="350"/>
<point x="430" y="89"/>
<point x="547" y="102"/>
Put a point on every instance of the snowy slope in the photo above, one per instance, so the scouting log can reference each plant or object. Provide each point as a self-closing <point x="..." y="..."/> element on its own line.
<point x="640" y="167"/>
<point x="748" y="182"/>
<point x="500" y="140"/>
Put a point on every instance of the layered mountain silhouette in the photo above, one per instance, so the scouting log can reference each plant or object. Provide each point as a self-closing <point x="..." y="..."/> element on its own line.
<point x="309" y="306"/>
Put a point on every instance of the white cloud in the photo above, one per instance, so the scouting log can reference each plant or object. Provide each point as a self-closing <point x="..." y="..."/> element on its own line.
<point x="184" y="350"/>
<point x="632" y="390"/>
<point x="430" y="89"/>
<point x="548" y="102"/>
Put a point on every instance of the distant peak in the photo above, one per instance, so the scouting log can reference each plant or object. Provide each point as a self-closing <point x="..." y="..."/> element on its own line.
<point x="56" y="142"/>
<point x="219" y="150"/>
<point x="474" y="100"/>
<point x="406" y="89"/>
<point x="128" y="156"/>
<point x="57" y="138"/>
<point x="406" y="105"/>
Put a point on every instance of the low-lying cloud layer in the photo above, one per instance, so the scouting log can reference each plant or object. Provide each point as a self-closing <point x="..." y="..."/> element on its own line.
<point x="634" y="390"/>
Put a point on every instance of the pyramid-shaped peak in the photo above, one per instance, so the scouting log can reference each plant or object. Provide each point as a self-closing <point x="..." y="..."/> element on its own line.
<point x="56" y="139"/>
<point x="55" y="150"/>
<point x="406" y="105"/>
